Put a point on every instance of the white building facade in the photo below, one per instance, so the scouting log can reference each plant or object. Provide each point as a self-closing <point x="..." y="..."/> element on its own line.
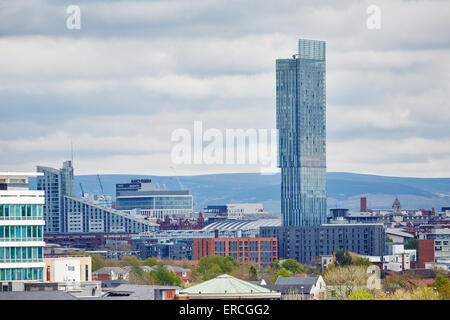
<point x="245" y="210"/>
<point x="21" y="230"/>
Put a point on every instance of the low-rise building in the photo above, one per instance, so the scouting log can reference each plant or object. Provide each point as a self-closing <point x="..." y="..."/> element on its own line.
<point x="309" y="288"/>
<point x="142" y="292"/>
<point x="226" y="287"/>
<point x="110" y="273"/>
<point x="68" y="269"/>
<point x="434" y="246"/>
<point x="183" y="273"/>
<point x="438" y="265"/>
<point x="398" y="236"/>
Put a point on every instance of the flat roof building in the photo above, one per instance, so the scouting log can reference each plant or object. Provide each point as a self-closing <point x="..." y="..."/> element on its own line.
<point x="151" y="201"/>
<point x="304" y="244"/>
<point x="21" y="230"/>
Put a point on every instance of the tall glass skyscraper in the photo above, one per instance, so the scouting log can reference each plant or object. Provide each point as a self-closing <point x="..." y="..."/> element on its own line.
<point x="301" y="107"/>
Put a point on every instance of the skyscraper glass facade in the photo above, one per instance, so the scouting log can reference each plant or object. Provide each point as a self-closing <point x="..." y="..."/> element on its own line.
<point x="301" y="119"/>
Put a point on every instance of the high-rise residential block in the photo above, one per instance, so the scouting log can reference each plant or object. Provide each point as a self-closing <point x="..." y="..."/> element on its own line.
<point x="301" y="108"/>
<point x="57" y="184"/>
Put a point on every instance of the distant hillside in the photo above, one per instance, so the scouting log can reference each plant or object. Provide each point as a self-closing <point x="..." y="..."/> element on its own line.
<point x="343" y="189"/>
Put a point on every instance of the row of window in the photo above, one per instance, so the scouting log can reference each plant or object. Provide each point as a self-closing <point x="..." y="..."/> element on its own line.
<point x="20" y="211"/>
<point x="12" y="274"/>
<point x="21" y="233"/>
<point x="20" y="254"/>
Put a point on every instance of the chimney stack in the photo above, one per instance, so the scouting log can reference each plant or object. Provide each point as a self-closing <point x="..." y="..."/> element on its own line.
<point x="363" y="205"/>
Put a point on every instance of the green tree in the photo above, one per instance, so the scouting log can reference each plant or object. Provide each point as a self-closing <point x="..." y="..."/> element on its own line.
<point x="360" y="295"/>
<point x="282" y="272"/>
<point x="444" y="291"/>
<point x="389" y="239"/>
<point x="253" y="273"/>
<point x="132" y="260"/>
<point x="228" y="264"/>
<point x="150" y="262"/>
<point x="292" y="266"/>
<point x="360" y="261"/>
<point x="343" y="259"/>
<point x="97" y="262"/>
<point x="166" y="277"/>
<point x="412" y="244"/>
<point x="212" y="271"/>
<point x="440" y="281"/>
<point x="213" y="266"/>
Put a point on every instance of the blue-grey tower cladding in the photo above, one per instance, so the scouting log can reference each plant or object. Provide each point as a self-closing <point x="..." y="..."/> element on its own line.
<point x="301" y="117"/>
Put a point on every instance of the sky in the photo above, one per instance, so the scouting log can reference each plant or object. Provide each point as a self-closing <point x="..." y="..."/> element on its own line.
<point x="117" y="88"/>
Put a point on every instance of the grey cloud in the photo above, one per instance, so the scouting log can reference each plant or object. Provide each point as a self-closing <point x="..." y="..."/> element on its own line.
<point x="138" y="70"/>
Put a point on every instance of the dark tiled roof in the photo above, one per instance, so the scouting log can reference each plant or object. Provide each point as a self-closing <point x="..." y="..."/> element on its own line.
<point x="302" y="281"/>
<point x="36" y="295"/>
<point x="285" y="289"/>
<point x="112" y="283"/>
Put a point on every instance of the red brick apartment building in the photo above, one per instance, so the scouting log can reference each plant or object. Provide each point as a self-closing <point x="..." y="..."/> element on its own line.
<point x="262" y="251"/>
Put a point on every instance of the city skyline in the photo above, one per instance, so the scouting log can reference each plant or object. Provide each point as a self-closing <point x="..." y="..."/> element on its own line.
<point x="106" y="87"/>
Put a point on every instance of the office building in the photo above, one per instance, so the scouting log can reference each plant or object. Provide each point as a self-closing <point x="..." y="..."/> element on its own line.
<point x="216" y="211"/>
<point x="305" y="244"/>
<point x="57" y="184"/>
<point x="300" y="109"/>
<point x="152" y="202"/>
<point x="21" y="231"/>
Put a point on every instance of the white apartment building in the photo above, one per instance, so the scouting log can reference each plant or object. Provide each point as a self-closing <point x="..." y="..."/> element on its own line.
<point x="21" y="230"/>
<point x="397" y="258"/>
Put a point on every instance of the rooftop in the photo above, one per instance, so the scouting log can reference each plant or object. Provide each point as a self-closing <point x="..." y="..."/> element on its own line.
<point x="36" y="295"/>
<point x="231" y="225"/>
<point x="225" y="284"/>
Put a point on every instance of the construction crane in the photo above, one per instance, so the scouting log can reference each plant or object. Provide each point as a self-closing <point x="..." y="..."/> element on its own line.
<point x="178" y="179"/>
<point x="101" y="186"/>
<point x="82" y="191"/>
